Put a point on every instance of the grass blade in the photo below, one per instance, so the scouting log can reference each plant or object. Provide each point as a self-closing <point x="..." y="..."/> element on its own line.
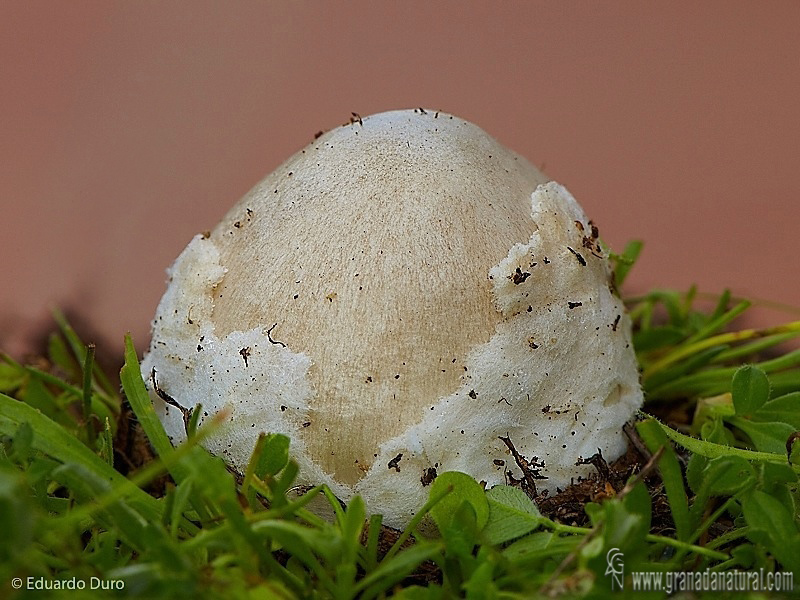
<point x="654" y="438"/>
<point x="139" y="399"/>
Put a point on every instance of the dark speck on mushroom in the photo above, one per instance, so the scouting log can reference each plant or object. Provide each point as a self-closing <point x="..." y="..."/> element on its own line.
<point x="245" y="354"/>
<point x="395" y="462"/>
<point x="578" y="256"/>
<point x="519" y="276"/>
<point x="428" y="476"/>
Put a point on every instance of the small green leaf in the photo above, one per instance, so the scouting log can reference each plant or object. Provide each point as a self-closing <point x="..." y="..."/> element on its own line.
<point x="480" y="585"/>
<point x="766" y="437"/>
<point x="353" y="523"/>
<point x="783" y="409"/>
<point x="274" y="455"/>
<point x="281" y="484"/>
<point x="750" y="390"/>
<point x="624" y="525"/>
<point x="638" y="503"/>
<point x="465" y="489"/>
<point x="541" y="545"/>
<point x="714" y="430"/>
<point x="511" y="514"/>
<point x="780" y="482"/>
<point x="593" y="549"/>
<point x="744" y="555"/>
<point x="22" y="442"/>
<point x="11" y="377"/>
<point x="594" y="511"/>
<point x="625" y="261"/>
<point x="725" y="476"/>
<point x="772" y="525"/>
<point x="418" y="592"/>
<point x="695" y="470"/>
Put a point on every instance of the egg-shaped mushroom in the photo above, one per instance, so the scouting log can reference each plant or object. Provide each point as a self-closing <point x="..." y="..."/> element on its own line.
<point x="402" y="297"/>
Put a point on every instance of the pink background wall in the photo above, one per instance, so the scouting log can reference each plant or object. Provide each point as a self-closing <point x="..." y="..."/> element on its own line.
<point x="128" y="127"/>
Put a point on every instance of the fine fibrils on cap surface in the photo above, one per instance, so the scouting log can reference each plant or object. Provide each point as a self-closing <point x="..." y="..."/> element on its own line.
<point x="396" y="297"/>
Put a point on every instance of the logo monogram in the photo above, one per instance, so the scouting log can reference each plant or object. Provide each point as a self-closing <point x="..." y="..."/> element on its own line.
<point x="616" y="568"/>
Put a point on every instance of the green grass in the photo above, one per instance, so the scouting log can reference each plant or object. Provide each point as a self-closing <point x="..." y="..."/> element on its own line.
<point x="92" y="493"/>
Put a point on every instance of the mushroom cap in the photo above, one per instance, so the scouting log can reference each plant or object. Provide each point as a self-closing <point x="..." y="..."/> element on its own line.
<point x="396" y="297"/>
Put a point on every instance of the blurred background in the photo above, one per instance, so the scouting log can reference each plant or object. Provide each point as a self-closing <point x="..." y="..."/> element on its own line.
<point x="127" y="127"/>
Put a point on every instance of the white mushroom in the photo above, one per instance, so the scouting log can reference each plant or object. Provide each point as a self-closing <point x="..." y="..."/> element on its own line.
<point x="396" y="298"/>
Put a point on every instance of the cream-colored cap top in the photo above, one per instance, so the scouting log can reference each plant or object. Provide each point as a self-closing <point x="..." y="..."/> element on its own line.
<point x="371" y="250"/>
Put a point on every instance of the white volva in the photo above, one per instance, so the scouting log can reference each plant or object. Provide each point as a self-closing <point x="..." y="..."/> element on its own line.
<point x="396" y="297"/>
